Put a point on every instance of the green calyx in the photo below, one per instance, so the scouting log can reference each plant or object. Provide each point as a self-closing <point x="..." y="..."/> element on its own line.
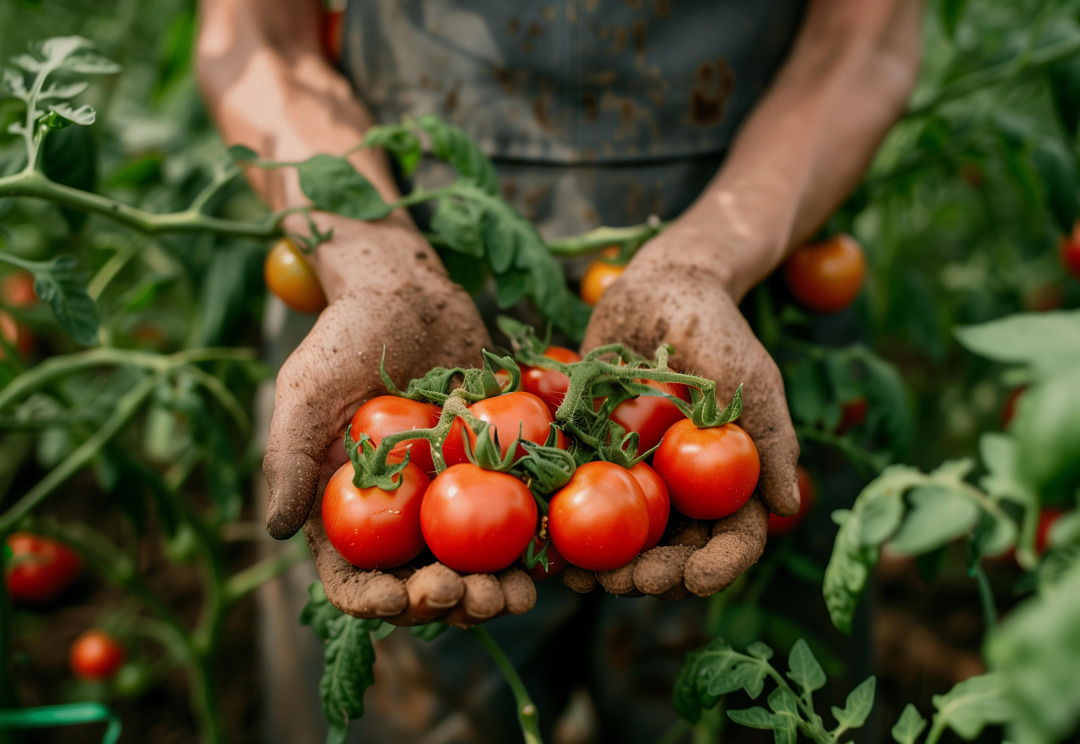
<point x="370" y="468"/>
<point x="476" y="384"/>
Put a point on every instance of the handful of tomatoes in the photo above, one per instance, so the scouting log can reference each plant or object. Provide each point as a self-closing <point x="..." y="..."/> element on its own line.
<point x="542" y="459"/>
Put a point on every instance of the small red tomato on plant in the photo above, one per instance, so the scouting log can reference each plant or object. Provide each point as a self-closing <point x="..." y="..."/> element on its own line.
<point x="600" y="519"/>
<point x="556" y="563"/>
<point x="373" y="528"/>
<point x="656" y="496"/>
<point x="710" y="473"/>
<point x="547" y="384"/>
<point x="17" y="289"/>
<point x="510" y="414"/>
<point x="1069" y="251"/>
<point x="330" y="34"/>
<point x="96" y="655"/>
<point x="650" y="415"/>
<point x="826" y="277"/>
<point x="779" y="526"/>
<point x="292" y="279"/>
<point x="476" y="520"/>
<point x="1047" y="517"/>
<point x="388" y="414"/>
<point x="1008" y="408"/>
<point x="852" y="415"/>
<point x="40" y="568"/>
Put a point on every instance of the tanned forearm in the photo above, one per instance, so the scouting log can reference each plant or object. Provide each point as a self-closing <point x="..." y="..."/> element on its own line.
<point x="268" y="87"/>
<point x="809" y="141"/>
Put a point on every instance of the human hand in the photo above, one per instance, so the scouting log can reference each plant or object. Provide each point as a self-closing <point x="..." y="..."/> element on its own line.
<point x="675" y="293"/>
<point x="411" y="309"/>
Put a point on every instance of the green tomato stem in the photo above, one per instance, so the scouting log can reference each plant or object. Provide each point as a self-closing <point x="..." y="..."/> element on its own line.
<point x="251" y="578"/>
<point x="986" y="597"/>
<point x="528" y="716"/>
<point x="603" y="237"/>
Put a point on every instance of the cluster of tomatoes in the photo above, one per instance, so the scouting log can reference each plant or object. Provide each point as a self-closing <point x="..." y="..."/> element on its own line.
<point x="40" y="570"/>
<point x="517" y="480"/>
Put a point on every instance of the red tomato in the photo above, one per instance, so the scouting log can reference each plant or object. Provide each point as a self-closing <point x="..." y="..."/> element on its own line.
<point x="710" y="473"/>
<point x="16" y="334"/>
<point x="96" y="655"/>
<point x="1008" y="408"/>
<point x="547" y="384"/>
<point x="556" y="563"/>
<point x="1047" y="517"/>
<point x="40" y="568"/>
<point x="373" y="528"/>
<point x="826" y="277"/>
<point x="600" y="519"/>
<point x="388" y="414"/>
<point x="508" y="414"/>
<point x="807" y="496"/>
<point x="649" y="415"/>
<point x="852" y="415"/>
<point x="1069" y="250"/>
<point x="656" y="495"/>
<point x="476" y="520"/>
<point x="17" y="290"/>
<point x="330" y="34"/>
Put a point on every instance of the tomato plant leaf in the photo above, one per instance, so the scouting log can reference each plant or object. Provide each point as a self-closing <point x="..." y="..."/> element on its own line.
<point x="1056" y="167"/>
<point x="1065" y="90"/>
<point x="756" y="717"/>
<point x="950" y="12"/>
<point x="1003" y="481"/>
<point x="1047" y="432"/>
<point x="399" y="141"/>
<point x="973" y="704"/>
<point x="452" y="145"/>
<point x="13" y="81"/>
<point x="804" y="669"/>
<point x="334" y="185"/>
<point x="242" y="154"/>
<point x="709" y="674"/>
<point x="858" y="705"/>
<point x="909" y="727"/>
<point x="457" y="222"/>
<point x="1045" y="341"/>
<point x="61" y="284"/>
<point x="936" y="516"/>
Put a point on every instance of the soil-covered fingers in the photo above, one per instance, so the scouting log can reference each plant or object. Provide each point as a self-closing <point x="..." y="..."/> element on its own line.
<point x="736" y="544"/>
<point x="367" y="594"/>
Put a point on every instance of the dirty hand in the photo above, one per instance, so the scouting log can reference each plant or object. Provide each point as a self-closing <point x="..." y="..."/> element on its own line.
<point x="674" y="293"/>
<point x="423" y="320"/>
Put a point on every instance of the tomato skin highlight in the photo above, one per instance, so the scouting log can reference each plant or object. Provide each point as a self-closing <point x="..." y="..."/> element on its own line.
<point x="650" y="415"/>
<point x="710" y="473"/>
<point x="96" y="655"/>
<point x="508" y="414"/>
<point x="780" y="526"/>
<point x="388" y="414"/>
<point x="292" y="279"/>
<point x="658" y="500"/>
<point x="372" y="528"/>
<point x="476" y="520"/>
<point x="547" y="384"/>
<point x="826" y="277"/>
<point x="600" y="519"/>
<point x="598" y="277"/>
<point x="44" y="570"/>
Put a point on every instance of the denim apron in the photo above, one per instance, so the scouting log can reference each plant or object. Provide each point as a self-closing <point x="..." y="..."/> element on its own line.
<point x="595" y="112"/>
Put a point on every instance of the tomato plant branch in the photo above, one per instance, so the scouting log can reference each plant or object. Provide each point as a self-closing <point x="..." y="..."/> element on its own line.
<point x="125" y="409"/>
<point x="251" y="578"/>
<point x="986" y="596"/>
<point x="604" y="237"/>
<point x="528" y="717"/>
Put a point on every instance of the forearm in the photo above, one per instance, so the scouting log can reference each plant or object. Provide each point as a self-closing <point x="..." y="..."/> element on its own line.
<point x="268" y="87"/>
<point x="811" y="138"/>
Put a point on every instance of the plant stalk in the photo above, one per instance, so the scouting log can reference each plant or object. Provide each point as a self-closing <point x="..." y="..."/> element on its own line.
<point x="528" y="718"/>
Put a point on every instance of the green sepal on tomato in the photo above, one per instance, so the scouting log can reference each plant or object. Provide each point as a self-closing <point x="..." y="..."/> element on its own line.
<point x="510" y="416"/>
<point x="384" y="415"/>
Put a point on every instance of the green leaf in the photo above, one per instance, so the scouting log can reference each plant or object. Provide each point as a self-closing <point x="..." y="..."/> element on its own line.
<point x="714" y="671"/>
<point x="1003" y="481"/>
<point x="807" y="391"/>
<point x="1065" y="90"/>
<point x="1046" y="341"/>
<point x="887" y="398"/>
<point x="973" y="704"/>
<point x="62" y="115"/>
<point x="951" y="12"/>
<point x="457" y="222"/>
<point x="55" y="91"/>
<point x="241" y="154"/>
<point x="1036" y="651"/>
<point x="1056" y="166"/>
<point x="62" y="286"/>
<point x="59" y="48"/>
<point x="13" y="82"/>
<point x="880" y="518"/>
<point x="399" y="141"/>
<point x="334" y="185"/>
<point x="451" y="145"/>
<point x="909" y="727"/>
<point x="1047" y="434"/>
<point x="759" y="650"/>
<point x="804" y="669"/>
<point x="89" y="63"/>
<point x="755" y="717"/>
<point x="936" y="517"/>
<point x="858" y="705"/>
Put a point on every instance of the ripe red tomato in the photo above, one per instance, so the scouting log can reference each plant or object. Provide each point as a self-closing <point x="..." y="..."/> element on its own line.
<point x="852" y="415"/>
<point x="710" y="473"/>
<point x="556" y="563"/>
<point x="826" y="277"/>
<point x="1069" y="251"/>
<point x="807" y="496"/>
<point x="291" y="277"/>
<point x="1008" y="408"/>
<point x="96" y="655"/>
<point x="330" y="34"/>
<point x="649" y="415"/>
<point x="656" y="496"/>
<point x="599" y="275"/>
<point x="600" y="519"/>
<point x="476" y="520"/>
<point x="1047" y="517"/>
<point x="508" y="414"/>
<point x="373" y="528"/>
<point x="388" y="414"/>
<point x="16" y="334"/>
<point x="40" y="568"/>
<point x="17" y="289"/>
<point x="547" y="384"/>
